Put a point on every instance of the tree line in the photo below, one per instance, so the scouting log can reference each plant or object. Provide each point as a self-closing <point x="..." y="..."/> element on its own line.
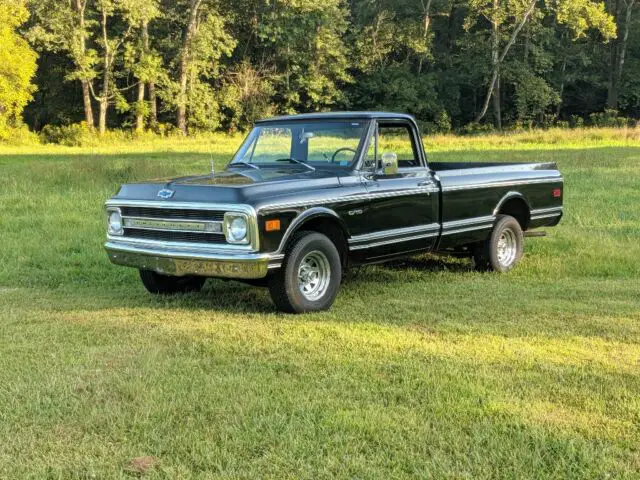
<point x="196" y="65"/>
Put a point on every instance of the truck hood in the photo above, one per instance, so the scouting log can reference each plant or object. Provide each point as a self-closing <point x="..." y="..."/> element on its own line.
<point x="236" y="185"/>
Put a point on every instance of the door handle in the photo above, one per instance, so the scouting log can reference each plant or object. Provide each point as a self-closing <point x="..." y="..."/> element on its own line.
<point x="424" y="183"/>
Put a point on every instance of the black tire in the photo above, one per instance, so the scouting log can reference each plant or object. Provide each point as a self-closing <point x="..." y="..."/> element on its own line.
<point x="489" y="256"/>
<point x="166" y="284"/>
<point x="284" y="283"/>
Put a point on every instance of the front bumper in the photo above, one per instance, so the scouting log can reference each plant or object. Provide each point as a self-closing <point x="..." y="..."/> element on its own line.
<point x="180" y="262"/>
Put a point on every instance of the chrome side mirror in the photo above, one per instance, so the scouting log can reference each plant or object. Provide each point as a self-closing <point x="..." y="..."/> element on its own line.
<point x="389" y="163"/>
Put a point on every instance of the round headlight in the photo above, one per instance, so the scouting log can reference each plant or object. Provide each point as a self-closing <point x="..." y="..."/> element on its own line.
<point x="115" y="223"/>
<point x="238" y="229"/>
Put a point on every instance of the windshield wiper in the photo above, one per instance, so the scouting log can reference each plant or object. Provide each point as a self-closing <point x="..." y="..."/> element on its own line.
<point x="293" y="160"/>
<point x="244" y="164"/>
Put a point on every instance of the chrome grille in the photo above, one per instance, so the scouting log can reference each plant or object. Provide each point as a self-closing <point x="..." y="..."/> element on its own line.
<point x="191" y="231"/>
<point x="168" y="236"/>
<point x="172" y="213"/>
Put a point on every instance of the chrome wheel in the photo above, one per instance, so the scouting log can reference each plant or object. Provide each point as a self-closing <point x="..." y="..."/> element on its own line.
<point x="507" y="248"/>
<point x="314" y="274"/>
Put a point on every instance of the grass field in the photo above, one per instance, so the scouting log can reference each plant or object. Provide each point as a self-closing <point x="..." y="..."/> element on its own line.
<point x="420" y="370"/>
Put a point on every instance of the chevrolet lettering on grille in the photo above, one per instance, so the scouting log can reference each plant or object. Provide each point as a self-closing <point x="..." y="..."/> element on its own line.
<point x="144" y="223"/>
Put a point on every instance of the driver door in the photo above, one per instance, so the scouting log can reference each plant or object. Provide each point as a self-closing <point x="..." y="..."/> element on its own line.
<point x="403" y="210"/>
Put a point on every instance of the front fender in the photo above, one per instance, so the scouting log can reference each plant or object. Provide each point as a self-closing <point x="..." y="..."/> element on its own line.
<point x="306" y="216"/>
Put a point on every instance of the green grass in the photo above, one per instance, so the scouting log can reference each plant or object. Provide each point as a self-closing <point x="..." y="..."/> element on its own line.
<point x="425" y="369"/>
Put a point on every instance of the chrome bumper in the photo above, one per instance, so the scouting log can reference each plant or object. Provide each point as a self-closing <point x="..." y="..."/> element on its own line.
<point x="179" y="262"/>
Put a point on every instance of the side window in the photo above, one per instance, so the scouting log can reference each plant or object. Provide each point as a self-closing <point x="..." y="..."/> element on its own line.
<point x="399" y="140"/>
<point x="335" y="145"/>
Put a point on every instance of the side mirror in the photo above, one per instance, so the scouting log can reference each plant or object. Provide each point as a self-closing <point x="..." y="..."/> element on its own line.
<point x="389" y="163"/>
<point x="305" y="136"/>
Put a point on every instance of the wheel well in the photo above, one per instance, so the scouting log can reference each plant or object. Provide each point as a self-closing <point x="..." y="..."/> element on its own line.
<point x="518" y="209"/>
<point x="333" y="230"/>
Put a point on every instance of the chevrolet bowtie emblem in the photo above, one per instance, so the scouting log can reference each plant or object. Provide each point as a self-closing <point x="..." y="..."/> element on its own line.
<point x="165" y="193"/>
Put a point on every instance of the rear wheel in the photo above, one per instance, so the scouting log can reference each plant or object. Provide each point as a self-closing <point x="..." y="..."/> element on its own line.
<point x="503" y="249"/>
<point x="310" y="276"/>
<point x="168" y="284"/>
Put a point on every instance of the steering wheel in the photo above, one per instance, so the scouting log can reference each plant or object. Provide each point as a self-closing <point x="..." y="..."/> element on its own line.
<point x="343" y="149"/>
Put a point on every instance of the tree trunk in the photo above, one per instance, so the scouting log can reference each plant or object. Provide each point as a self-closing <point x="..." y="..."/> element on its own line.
<point x="140" y="109"/>
<point x="621" y="51"/>
<point x="495" y="52"/>
<point x="102" y="117"/>
<point x="505" y="51"/>
<point x="141" y="84"/>
<point x="612" y="84"/>
<point x="497" y="110"/>
<point x="106" y="77"/>
<point x="86" y="90"/>
<point x="185" y="63"/>
<point x="426" y="22"/>
<point x="562" y="79"/>
<point x="153" y="106"/>
<point x="86" y="100"/>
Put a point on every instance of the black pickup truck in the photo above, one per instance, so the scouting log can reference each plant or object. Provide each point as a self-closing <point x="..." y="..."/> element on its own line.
<point x="307" y="196"/>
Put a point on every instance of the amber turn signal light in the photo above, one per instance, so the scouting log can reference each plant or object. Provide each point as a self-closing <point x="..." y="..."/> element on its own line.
<point x="272" y="225"/>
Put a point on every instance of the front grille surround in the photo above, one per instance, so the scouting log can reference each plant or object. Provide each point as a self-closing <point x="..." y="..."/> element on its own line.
<point x="183" y="211"/>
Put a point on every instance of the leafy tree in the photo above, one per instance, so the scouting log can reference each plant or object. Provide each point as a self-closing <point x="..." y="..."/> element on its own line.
<point x="622" y="11"/>
<point x="209" y="64"/>
<point x="203" y="40"/>
<point x="63" y="27"/>
<point x="246" y="96"/>
<point x="508" y="19"/>
<point x="17" y="65"/>
<point x="302" y="41"/>
<point x="141" y="60"/>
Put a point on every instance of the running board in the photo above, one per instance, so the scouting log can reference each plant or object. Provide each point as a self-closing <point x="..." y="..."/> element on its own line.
<point x="535" y="234"/>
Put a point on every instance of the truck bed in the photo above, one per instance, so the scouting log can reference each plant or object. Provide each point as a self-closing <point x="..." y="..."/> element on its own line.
<point x="473" y="193"/>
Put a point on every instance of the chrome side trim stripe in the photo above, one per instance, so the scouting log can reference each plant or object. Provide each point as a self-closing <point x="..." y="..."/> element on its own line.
<point x="393" y="240"/>
<point x="431" y="227"/>
<point x="538" y="211"/>
<point x="468" y="229"/>
<point x="548" y="215"/>
<point x="468" y="221"/>
<point x="507" y="183"/>
<point x="467" y="225"/>
<point x="350" y="198"/>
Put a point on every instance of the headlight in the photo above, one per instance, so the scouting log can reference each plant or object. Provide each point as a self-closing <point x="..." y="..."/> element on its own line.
<point x="235" y="228"/>
<point x="114" y="222"/>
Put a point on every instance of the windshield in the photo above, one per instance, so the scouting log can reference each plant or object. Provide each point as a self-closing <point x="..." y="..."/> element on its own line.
<point x="314" y="144"/>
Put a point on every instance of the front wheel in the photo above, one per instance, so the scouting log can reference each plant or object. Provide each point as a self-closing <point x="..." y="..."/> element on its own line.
<point x="310" y="276"/>
<point x="168" y="284"/>
<point x="503" y="249"/>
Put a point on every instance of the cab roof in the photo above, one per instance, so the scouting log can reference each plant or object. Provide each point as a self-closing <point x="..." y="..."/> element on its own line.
<point x="340" y="116"/>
